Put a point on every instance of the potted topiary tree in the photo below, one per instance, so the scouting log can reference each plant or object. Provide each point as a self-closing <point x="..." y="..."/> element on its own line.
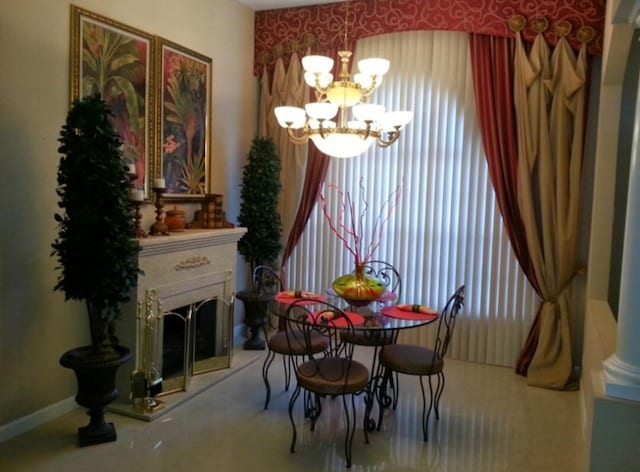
<point x="259" y="214"/>
<point x="97" y="256"/>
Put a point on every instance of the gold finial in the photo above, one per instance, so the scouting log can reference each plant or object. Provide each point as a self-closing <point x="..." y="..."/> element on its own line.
<point x="308" y="40"/>
<point x="292" y="46"/>
<point x="585" y="34"/>
<point x="562" y="28"/>
<point x="516" y="23"/>
<point x="278" y="51"/>
<point x="264" y="58"/>
<point x="539" y="24"/>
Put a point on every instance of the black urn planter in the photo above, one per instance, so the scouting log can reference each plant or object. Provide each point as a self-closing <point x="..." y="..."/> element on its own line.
<point x="256" y="313"/>
<point x="96" y="377"/>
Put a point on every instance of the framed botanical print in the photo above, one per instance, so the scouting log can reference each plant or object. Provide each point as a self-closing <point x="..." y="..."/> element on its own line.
<point x="116" y="61"/>
<point x="183" y="123"/>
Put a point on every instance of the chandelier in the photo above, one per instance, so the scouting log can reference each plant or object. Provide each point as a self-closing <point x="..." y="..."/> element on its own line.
<point x="349" y="135"/>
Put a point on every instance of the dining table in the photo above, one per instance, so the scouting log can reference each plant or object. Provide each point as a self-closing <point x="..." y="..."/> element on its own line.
<point x="380" y="320"/>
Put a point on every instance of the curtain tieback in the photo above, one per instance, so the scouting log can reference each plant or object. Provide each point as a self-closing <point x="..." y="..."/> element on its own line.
<point x="553" y="299"/>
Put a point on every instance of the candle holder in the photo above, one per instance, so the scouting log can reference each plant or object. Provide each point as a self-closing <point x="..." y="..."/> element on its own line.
<point x="135" y="198"/>
<point x="138" y="232"/>
<point x="159" y="227"/>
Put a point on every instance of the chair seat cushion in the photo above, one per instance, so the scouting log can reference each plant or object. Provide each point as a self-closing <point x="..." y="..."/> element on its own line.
<point x="410" y="359"/>
<point x="368" y="338"/>
<point x="332" y="376"/>
<point x="292" y="342"/>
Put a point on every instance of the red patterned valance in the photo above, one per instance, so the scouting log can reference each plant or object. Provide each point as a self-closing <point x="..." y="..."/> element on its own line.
<point x="280" y="32"/>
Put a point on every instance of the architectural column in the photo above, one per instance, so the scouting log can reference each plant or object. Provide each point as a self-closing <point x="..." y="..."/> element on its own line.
<point x="622" y="369"/>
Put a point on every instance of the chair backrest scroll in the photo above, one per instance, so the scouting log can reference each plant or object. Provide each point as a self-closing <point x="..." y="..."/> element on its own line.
<point x="447" y="322"/>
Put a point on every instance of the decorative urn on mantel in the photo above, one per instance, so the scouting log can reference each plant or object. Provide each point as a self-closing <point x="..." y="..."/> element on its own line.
<point x="175" y="220"/>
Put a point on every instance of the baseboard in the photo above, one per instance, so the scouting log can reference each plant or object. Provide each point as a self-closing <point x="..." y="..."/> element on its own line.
<point x="37" y="418"/>
<point x="51" y="412"/>
<point x="238" y="333"/>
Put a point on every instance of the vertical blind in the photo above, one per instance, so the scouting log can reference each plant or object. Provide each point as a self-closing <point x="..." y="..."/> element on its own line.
<point x="446" y="229"/>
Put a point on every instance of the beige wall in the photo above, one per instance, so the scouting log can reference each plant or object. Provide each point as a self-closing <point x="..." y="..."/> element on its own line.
<point x="36" y="325"/>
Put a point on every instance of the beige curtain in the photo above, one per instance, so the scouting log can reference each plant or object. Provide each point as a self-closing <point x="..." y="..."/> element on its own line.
<point x="288" y="88"/>
<point x="549" y="100"/>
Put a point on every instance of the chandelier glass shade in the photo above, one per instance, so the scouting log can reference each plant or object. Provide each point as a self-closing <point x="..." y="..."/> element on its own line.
<point x="341" y="123"/>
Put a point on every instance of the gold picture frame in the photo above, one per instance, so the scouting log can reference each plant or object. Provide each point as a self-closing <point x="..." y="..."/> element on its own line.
<point x="183" y="121"/>
<point x="117" y="61"/>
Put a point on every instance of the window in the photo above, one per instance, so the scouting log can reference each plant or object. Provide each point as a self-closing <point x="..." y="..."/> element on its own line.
<point x="447" y="229"/>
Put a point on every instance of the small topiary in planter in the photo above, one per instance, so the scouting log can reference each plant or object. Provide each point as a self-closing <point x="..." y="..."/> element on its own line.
<point x="261" y="243"/>
<point x="259" y="204"/>
<point x="97" y="256"/>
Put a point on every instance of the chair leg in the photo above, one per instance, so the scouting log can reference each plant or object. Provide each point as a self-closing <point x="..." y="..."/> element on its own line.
<point x="265" y="376"/>
<point x="292" y="401"/>
<point x="439" y="390"/>
<point x="368" y="423"/>
<point x="395" y="387"/>
<point x="351" y="427"/>
<point x="426" y="411"/>
<point x="286" y="362"/>
<point x="383" y="397"/>
<point x="373" y="392"/>
<point x="312" y="407"/>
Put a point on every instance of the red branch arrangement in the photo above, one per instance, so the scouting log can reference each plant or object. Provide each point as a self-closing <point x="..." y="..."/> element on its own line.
<point x="348" y="226"/>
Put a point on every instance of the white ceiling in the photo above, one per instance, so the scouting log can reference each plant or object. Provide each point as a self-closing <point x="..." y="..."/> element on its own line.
<point x="272" y="4"/>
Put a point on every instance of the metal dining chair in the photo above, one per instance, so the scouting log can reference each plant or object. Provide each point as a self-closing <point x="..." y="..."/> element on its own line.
<point x="331" y="374"/>
<point x="424" y="361"/>
<point x="267" y="281"/>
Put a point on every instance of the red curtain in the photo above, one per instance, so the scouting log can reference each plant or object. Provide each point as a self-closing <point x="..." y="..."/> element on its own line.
<point x="492" y="63"/>
<point x="317" y="164"/>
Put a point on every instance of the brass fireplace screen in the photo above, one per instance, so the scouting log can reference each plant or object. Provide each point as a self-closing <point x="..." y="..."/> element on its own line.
<point x="185" y="341"/>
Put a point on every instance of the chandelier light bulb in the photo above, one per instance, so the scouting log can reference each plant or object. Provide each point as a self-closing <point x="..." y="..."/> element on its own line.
<point x="290" y="117"/>
<point x="342" y="145"/>
<point x="393" y="120"/>
<point x="373" y="66"/>
<point x="317" y="64"/>
<point x="321" y="111"/>
<point x="368" y="112"/>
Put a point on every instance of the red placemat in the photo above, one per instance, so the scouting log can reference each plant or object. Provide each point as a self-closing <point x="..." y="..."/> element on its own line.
<point x="310" y="299"/>
<point x="355" y="318"/>
<point x="395" y="312"/>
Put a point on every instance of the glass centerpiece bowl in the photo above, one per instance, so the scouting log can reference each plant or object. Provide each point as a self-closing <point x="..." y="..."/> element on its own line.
<point x="358" y="288"/>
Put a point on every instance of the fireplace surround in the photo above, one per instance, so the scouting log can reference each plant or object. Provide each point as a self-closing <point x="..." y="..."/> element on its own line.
<point x="179" y="322"/>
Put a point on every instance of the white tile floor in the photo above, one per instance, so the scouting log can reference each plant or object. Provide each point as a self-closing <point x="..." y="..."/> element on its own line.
<point x="490" y="422"/>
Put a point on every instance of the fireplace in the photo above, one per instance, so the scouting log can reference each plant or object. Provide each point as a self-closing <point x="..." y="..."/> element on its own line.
<point x="179" y="323"/>
<point x="191" y="340"/>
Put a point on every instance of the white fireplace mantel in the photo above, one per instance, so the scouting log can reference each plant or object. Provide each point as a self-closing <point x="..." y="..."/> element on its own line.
<point x="179" y="269"/>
